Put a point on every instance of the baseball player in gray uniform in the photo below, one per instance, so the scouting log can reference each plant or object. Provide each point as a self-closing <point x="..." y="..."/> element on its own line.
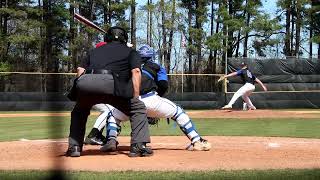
<point x="246" y="90"/>
<point x="157" y="107"/>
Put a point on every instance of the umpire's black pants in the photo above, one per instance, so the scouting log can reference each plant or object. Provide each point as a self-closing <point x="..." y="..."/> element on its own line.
<point x="85" y="100"/>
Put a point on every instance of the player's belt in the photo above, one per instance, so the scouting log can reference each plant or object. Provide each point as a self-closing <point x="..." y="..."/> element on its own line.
<point x="148" y="94"/>
<point x="98" y="71"/>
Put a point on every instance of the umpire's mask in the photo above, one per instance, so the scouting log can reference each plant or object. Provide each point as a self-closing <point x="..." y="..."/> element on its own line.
<point x="116" y="34"/>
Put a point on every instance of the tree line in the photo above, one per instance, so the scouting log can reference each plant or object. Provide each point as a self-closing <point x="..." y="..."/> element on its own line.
<point x="43" y="36"/>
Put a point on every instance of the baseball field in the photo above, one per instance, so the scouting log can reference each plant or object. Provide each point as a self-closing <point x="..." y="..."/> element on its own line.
<point x="260" y="144"/>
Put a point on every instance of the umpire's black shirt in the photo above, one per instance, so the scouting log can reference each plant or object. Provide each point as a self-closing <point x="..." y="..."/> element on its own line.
<point x="114" y="56"/>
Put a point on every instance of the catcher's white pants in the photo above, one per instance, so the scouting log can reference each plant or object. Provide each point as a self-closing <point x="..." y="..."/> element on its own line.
<point x="156" y="107"/>
<point x="245" y="91"/>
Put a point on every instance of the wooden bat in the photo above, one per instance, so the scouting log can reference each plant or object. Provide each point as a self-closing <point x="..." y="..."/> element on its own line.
<point x="88" y="22"/>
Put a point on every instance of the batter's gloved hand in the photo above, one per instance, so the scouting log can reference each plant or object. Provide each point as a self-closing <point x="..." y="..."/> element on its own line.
<point x="221" y="78"/>
<point x="153" y="120"/>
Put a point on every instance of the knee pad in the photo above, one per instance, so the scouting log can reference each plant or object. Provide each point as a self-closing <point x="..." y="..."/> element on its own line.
<point x="179" y="111"/>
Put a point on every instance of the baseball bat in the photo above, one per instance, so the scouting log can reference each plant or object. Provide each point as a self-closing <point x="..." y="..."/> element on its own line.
<point x="88" y="22"/>
<point x="92" y="25"/>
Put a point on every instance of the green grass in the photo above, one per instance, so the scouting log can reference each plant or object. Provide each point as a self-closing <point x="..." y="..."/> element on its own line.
<point x="292" y="174"/>
<point x="16" y="128"/>
<point x="58" y="127"/>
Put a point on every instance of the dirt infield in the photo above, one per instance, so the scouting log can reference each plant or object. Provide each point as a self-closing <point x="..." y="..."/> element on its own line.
<point x="205" y="114"/>
<point x="229" y="153"/>
<point x="254" y="114"/>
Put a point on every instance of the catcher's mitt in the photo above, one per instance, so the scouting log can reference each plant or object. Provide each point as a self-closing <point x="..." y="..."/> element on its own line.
<point x="153" y="120"/>
<point x="221" y="78"/>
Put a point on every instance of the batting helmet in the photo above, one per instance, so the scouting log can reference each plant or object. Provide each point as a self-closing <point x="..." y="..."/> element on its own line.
<point x="116" y="34"/>
<point x="146" y="53"/>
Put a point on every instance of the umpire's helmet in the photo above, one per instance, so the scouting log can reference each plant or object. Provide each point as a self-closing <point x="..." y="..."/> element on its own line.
<point x="147" y="53"/>
<point x="116" y="34"/>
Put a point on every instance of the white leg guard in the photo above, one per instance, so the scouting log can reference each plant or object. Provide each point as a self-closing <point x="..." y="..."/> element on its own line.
<point x="186" y="125"/>
<point x="101" y="120"/>
<point x="113" y="127"/>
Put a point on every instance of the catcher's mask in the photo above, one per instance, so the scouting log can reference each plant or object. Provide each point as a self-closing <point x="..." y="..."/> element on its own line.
<point x="116" y="34"/>
<point x="146" y="53"/>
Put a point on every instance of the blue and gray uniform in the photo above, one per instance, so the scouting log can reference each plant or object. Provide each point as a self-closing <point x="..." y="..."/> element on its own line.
<point x="245" y="91"/>
<point x="246" y="76"/>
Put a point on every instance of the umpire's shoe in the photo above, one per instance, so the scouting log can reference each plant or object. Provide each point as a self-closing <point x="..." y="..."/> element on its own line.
<point x="73" y="151"/>
<point x="140" y="150"/>
<point x="110" y="146"/>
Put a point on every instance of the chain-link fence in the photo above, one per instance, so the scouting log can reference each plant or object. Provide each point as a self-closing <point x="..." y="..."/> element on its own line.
<point x="291" y="83"/>
<point x="47" y="91"/>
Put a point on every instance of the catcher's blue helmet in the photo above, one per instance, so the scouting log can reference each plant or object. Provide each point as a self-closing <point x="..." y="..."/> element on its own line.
<point x="146" y="52"/>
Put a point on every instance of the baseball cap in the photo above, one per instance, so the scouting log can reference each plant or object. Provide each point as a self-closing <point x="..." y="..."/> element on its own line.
<point x="100" y="44"/>
<point x="243" y="65"/>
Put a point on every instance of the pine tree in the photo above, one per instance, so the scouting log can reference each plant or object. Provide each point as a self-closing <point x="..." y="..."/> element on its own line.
<point x="133" y="28"/>
<point x="19" y="46"/>
<point x="315" y="14"/>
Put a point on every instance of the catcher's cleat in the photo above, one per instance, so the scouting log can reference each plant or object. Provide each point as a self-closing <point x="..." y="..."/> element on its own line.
<point x="226" y="107"/>
<point x="93" y="141"/>
<point x="140" y="150"/>
<point x="200" y="145"/>
<point x="110" y="146"/>
<point x="73" y="151"/>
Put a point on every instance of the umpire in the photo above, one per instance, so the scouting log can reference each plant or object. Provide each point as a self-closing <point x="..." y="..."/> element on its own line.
<point x="110" y="74"/>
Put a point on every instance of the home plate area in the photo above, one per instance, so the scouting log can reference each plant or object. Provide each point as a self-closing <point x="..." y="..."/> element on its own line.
<point x="227" y="153"/>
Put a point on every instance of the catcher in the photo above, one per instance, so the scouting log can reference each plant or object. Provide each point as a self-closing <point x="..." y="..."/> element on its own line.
<point x="154" y="85"/>
<point x="246" y="90"/>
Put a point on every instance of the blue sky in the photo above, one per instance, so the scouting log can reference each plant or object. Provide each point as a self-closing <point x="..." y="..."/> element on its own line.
<point x="268" y="5"/>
